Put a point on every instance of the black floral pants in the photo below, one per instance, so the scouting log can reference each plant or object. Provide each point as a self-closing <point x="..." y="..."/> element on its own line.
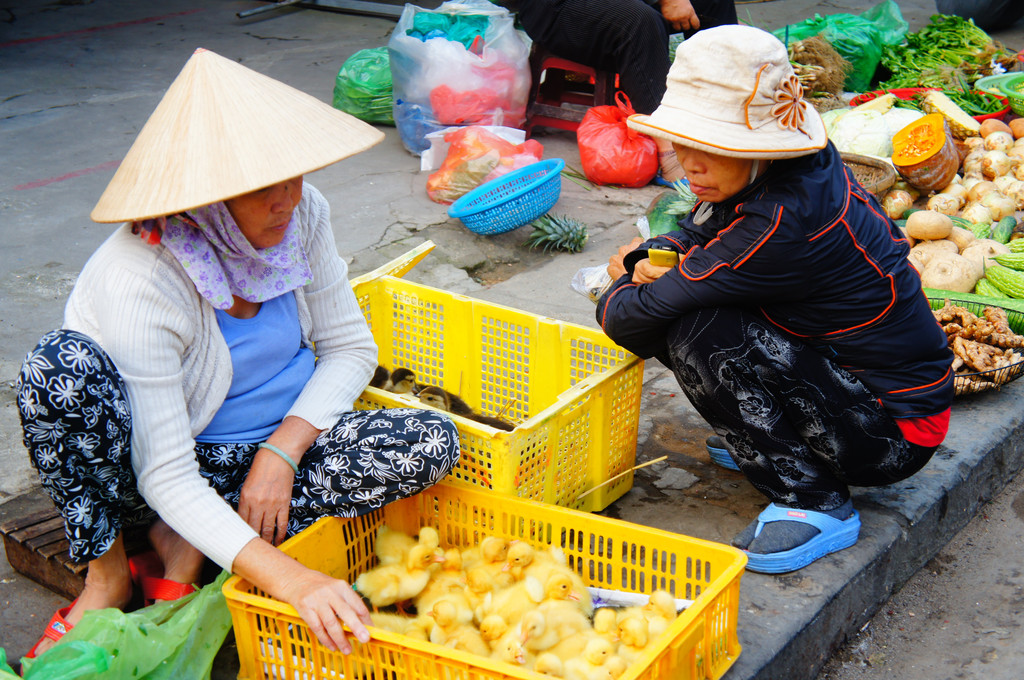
<point x="798" y="426"/>
<point x="76" y="421"/>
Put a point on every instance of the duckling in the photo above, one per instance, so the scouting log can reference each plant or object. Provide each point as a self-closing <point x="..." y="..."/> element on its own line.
<point x="419" y="627"/>
<point x="447" y="581"/>
<point x="393" y="583"/>
<point x="491" y="554"/>
<point x="468" y="639"/>
<point x="380" y="378"/>
<point x="584" y="666"/>
<point x="564" y="617"/>
<point x="392" y="546"/>
<point x="510" y="650"/>
<point x="478" y="584"/>
<point x="492" y="628"/>
<point x="512" y="602"/>
<point x="633" y="637"/>
<point x="447" y="617"/>
<point x="606" y="623"/>
<point x="573" y="646"/>
<point x="396" y="623"/>
<point x="403" y="381"/>
<point x="446" y="401"/>
<point x="616" y="665"/>
<point x="549" y="664"/>
<point x="534" y="632"/>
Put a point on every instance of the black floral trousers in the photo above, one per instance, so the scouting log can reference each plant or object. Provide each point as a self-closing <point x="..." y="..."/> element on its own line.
<point x="76" y="421"/>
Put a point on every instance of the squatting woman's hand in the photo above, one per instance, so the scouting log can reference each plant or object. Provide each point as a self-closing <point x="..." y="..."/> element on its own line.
<point x="680" y="14"/>
<point x="615" y="267"/>
<point x="645" y="272"/>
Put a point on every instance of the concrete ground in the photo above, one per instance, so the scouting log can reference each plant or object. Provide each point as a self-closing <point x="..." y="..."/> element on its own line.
<point x="80" y="78"/>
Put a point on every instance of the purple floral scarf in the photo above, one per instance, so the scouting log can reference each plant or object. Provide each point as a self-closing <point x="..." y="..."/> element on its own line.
<point x="220" y="260"/>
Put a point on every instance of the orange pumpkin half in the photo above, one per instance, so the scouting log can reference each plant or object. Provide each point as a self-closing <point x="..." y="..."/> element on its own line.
<point x="924" y="153"/>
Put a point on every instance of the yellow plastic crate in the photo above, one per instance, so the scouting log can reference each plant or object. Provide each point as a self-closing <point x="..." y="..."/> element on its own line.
<point x="273" y="642"/>
<point x="573" y="394"/>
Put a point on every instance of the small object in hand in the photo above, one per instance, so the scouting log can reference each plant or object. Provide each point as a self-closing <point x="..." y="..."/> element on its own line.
<point x="663" y="258"/>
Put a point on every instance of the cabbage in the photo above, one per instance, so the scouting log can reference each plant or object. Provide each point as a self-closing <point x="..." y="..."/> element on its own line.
<point x="869" y="133"/>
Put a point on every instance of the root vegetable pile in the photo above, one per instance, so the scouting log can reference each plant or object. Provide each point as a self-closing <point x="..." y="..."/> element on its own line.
<point x="981" y="346"/>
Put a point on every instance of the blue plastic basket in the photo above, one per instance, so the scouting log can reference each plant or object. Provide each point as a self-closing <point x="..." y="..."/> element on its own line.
<point x="512" y="200"/>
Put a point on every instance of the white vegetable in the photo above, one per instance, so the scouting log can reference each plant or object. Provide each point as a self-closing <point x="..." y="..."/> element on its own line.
<point x="979" y="189"/>
<point x="982" y="251"/>
<point x="969" y="182"/>
<point x="951" y="272"/>
<point x="995" y="163"/>
<point x="947" y="204"/>
<point x="977" y="213"/>
<point x="962" y="237"/>
<point x="974" y="143"/>
<point x="895" y="202"/>
<point x="1018" y="170"/>
<point x="1015" y="190"/>
<point x="999" y="141"/>
<point x="1000" y="205"/>
<point x="926" y="251"/>
<point x="868" y="132"/>
<point x="1004" y="181"/>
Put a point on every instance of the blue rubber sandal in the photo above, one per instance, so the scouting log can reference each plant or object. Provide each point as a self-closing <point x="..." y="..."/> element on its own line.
<point x="834" y="535"/>
<point x="719" y="455"/>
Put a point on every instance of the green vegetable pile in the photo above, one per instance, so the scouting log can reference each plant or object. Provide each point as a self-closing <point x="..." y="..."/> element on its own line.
<point x="974" y="103"/>
<point x="950" y="53"/>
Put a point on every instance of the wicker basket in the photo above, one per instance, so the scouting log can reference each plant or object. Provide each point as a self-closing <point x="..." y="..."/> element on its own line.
<point x="874" y="174"/>
<point x="982" y="381"/>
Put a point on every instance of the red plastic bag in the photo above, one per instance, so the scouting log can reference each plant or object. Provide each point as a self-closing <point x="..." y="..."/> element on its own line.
<point x="612" y="153"/>
<point x="475" y="156"/>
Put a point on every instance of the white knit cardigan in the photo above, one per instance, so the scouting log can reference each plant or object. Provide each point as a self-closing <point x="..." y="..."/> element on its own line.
<point x="136" y="301"/>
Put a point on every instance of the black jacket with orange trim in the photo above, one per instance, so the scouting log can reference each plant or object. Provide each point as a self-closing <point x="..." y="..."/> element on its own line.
<point x="813" y="252"/>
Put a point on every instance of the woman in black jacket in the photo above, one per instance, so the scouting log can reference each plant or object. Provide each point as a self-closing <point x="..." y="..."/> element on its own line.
<point x="792" y="321"/>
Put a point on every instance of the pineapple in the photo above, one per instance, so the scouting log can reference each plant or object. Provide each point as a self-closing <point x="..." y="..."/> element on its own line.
<point x="559" y="232"/>
<point x="961" y="124"/>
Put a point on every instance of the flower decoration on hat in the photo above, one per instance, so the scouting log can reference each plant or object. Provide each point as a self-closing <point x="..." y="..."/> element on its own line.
<point x="789" y="104"/>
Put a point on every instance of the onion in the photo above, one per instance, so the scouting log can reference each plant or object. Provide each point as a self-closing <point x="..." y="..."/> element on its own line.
<point x="1018" y="171"/>
<point x="947" y="204"/>
<point x="1003" y="182"/>
<point x="896" y="202"/>
<point x="971" y="181"/>
<point x="977" y="213"/>
<point x="904" y="185"/>
<point x="958" y="190"/>
<point x="1000" y="205"/>
<point x="972" y="164"/>
<point x="995" y="163"/>
<point x="974" y="143"/>
<point x="979" y="189"/>
<point x="998" y="141"/>
<point x="1016" y="154"/>
<point x="1015" y="190"/>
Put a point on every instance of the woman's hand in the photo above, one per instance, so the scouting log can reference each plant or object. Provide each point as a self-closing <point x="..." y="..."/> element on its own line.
<point x="615" y="266"/>
<point x="680" y="14"/>
<point x="266" y="496"/>
<point x="645" y="272"/>
<point x="324" y="603"/>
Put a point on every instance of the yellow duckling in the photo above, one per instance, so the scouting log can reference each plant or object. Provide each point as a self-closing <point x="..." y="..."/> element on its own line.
<point x="616" y="665"/>
<point x="392" y="546"/>
<point x="490" y="554"/>
<point x="512" y="602"/>
<point x="510" y="650"/>
<point x="449" y="580"/>
<point x="586" y="665"/>
<point x="606" y="623"/>
<point x="478" y="585"/>
<point x="633" y="638"/>
<point x="448" y="617"/>
<point x="549" y="664"/>
<point x="394" y="583"/>
<point x="534" y="632"/>
<point x="492" y="629"/>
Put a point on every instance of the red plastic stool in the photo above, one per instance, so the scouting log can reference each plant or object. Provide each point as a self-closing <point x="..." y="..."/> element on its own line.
<point x="555" y="82"/>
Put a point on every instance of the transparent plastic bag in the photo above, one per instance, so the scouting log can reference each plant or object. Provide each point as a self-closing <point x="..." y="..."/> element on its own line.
<point x="592" y="282"/>
<point x="475" y="156"/>
<point x="461" y="64"/>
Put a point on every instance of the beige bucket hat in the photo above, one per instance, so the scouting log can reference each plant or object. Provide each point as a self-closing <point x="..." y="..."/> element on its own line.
<point x="223" y="130"/>
<point x="732" y="91"/>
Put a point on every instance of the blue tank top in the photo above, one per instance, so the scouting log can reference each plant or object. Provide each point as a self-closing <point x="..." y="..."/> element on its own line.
<point x="269" y="369"/>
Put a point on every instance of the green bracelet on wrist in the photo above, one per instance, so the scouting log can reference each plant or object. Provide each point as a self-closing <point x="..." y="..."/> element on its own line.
<point x="284" y="456"/>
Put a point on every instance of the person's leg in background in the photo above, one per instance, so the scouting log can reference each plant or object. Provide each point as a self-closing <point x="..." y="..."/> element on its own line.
<point x="987" y="14"/>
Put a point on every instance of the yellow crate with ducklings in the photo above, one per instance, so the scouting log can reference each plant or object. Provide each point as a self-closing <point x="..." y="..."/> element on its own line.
<point x="454" y="571"/>
<point x="546" y="410"/>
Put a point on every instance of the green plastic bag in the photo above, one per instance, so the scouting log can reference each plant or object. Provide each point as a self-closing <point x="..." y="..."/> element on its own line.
<point x="165" y="641"/>
<point x="363" y="86"/>
<point x="858" y="38"/>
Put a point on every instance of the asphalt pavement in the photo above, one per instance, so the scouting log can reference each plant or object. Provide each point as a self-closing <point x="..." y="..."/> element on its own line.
<point x="77" y="82"/>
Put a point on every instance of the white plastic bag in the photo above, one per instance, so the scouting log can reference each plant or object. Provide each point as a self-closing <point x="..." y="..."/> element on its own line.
<point x="446" y="76"/>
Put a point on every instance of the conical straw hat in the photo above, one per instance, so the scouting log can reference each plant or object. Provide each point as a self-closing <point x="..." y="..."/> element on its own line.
<point x="222" y="130"/>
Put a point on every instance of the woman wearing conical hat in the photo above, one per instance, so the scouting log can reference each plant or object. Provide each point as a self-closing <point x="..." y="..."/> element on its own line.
<point x="792" y="320"/>
<point x="211" y="353"/>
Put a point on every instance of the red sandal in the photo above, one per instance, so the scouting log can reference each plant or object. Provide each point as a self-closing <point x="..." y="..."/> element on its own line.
<point x="164" y="589"/>
<point x="55" y="629"/>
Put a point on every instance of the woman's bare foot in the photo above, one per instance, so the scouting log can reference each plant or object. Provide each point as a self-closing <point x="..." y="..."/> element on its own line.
<point x="182" y="562"/>
<point x="108" y="583"/>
